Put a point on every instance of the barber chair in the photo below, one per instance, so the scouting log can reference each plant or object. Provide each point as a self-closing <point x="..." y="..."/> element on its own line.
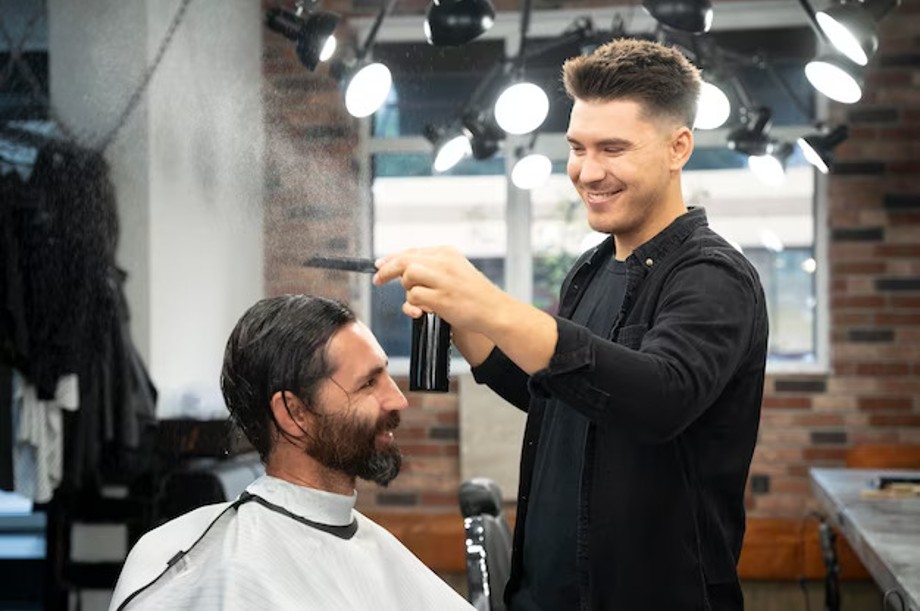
<point x="203" y="481"/>
<point x="488" y="543"/>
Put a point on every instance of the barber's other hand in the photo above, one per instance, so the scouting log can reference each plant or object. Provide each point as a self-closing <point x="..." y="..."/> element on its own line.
<point x="443" y="281"/>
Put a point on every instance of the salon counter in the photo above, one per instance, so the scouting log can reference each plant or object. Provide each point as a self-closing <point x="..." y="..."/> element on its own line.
<point x="884" y="532"/>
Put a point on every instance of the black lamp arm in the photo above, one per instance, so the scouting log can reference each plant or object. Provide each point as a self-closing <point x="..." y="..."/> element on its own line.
<point x="385" y="10"/>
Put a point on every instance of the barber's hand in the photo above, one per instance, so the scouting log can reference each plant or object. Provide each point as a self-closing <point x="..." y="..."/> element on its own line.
<point x="443" y="281"/>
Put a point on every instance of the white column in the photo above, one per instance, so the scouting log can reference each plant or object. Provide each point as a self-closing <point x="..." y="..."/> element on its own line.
<point x="187" y="167"/>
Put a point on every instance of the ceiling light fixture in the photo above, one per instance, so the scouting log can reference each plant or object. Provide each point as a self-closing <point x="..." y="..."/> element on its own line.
<point x="531" y="170"/>
<point x="770" y="167"/>
<point x="451" y="23"/>
<point x="367" y="90"/>
<point x="852" y="27"/>
<point x="312" y="34"/>
<point x="451" y="146"/>
<point x="835" y="77"/>
<point x="818" y="148"/>
<point x="485" y="137"/>
<point x="367" y="83"/>
<point x="713" y="107"/>
<point x="766" y="157"/>
<point x="693" y="16"/>
<point x="522" y="106"/>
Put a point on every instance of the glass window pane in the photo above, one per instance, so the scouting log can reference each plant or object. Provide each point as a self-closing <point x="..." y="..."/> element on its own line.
<point x="773" y="227"/>
<point x="466" y="211"/>
<point x="430" y="84"/>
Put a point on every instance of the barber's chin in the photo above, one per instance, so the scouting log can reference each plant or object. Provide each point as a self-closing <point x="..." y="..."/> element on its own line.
<point x="601" y="223"/>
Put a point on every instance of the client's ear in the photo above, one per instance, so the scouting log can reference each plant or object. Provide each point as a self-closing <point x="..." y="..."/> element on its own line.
<point x="290" y="413"/>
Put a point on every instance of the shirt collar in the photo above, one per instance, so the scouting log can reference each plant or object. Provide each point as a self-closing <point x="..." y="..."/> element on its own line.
<point x="661" y="244"/>
<point x="310" y="503"/>
<point x="672" y="236"/>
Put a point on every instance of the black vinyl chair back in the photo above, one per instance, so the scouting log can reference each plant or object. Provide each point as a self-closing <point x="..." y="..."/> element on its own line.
<point x="488" y="543"/>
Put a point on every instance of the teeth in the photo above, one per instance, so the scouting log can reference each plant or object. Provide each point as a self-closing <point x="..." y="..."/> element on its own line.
<point x="602" y="195"/>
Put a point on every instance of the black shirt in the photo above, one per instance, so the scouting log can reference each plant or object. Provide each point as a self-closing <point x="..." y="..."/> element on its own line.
<point x="673" y="402"/>
<point x="550" y="578"/>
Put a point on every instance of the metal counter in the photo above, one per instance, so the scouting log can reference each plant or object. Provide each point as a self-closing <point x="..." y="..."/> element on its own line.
<point x="884" y="532"/>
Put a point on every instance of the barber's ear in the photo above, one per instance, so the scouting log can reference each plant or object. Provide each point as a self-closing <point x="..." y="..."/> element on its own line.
<point x="681" y="147"/>
<point x="291" y="418"/>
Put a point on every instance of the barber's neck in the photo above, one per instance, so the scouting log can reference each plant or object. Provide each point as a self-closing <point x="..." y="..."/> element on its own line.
<point x="663" y="214"/>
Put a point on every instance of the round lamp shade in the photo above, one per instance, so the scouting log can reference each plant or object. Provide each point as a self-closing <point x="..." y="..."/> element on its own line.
<point x="368" y="90"/>
<point x="693" y="16"/>
<point x="451" y="23"/>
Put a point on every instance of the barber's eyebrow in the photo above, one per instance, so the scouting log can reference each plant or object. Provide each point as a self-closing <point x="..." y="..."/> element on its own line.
<point x="606" y="142"/>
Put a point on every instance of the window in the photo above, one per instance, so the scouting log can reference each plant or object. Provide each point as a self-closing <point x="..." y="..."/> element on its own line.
<point x="464" y="208"/>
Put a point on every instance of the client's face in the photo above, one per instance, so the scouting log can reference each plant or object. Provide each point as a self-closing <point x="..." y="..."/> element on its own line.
<point x="358" y="410"/>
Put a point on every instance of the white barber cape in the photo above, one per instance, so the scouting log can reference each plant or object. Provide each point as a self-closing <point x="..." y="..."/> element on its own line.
<point x="256" y="557"/>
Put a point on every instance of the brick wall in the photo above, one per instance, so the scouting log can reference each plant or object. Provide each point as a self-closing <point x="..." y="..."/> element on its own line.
<point x="872" y="394"/>
<point x="873" y="390"/>
<point x="312" y="194"/>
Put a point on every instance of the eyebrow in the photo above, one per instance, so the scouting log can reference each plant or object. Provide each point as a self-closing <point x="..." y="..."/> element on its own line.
<point x="373" y="373"/>
<point x="616" y="142"/>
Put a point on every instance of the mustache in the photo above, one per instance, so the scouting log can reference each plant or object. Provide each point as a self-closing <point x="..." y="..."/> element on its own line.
<point x="390" y="422"/>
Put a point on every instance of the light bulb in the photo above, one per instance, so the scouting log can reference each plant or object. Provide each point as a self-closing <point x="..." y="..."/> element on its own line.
<point x="451" y="153"/>
<point x="811" y="155"/>
<point x="531" y="171"/>
<point x="521" y="108"/>
<point x="832" y="80"/>
<point x="328" y="49"/>
<point x="842" y="38"/>
<point x="368" y="89"/>
<point x="768" y="169"/>
<point x="713" y="107"/>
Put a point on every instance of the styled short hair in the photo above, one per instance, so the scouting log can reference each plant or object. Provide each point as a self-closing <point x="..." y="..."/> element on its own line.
<point x="279" y="344"/>
<point x="658" y="77"/>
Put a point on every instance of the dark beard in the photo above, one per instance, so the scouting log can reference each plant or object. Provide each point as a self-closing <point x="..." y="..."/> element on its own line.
<point x="345" y="445"/>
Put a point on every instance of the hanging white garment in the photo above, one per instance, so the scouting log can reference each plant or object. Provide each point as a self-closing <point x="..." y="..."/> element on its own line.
<point x="38" y="447"/>
<point x="257" y="556"/>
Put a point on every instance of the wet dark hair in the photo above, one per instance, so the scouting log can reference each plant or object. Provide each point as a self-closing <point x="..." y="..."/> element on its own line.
<point x="658" y="77"/>
<point x="278" y="344"/>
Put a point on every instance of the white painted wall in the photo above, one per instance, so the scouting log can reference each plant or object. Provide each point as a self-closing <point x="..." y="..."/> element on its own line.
<point x="187" y="169"/>
<point x="96" y="55"/>
<point x="205" y="126"/>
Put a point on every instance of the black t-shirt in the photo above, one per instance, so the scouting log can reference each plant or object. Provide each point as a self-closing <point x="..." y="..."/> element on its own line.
<point x="549" y="579"/>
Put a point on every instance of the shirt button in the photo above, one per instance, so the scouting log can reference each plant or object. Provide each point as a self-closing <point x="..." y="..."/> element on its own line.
<point x="649" y="262"/>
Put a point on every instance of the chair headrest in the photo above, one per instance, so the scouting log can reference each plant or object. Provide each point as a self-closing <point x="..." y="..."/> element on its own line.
<point x="480" y="495"/>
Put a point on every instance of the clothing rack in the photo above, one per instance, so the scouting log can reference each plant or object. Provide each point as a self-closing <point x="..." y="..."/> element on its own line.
<point x="67" y="315"/>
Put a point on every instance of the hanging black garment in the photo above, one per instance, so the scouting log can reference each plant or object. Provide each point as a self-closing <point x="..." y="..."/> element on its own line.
<point x="68" y="246"/>
<point x="14" y="203"/>
<point x="68" y="313"/>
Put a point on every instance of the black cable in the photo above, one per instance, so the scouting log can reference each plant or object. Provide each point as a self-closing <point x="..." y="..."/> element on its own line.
<point x="813" y="20"/>
<point x="135" y="98"/>
<point x="525" y="26"/>
<point x="385" y="10"/>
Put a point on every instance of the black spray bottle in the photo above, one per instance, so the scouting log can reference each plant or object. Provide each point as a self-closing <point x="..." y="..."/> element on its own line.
<point x="429" y="360"/>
